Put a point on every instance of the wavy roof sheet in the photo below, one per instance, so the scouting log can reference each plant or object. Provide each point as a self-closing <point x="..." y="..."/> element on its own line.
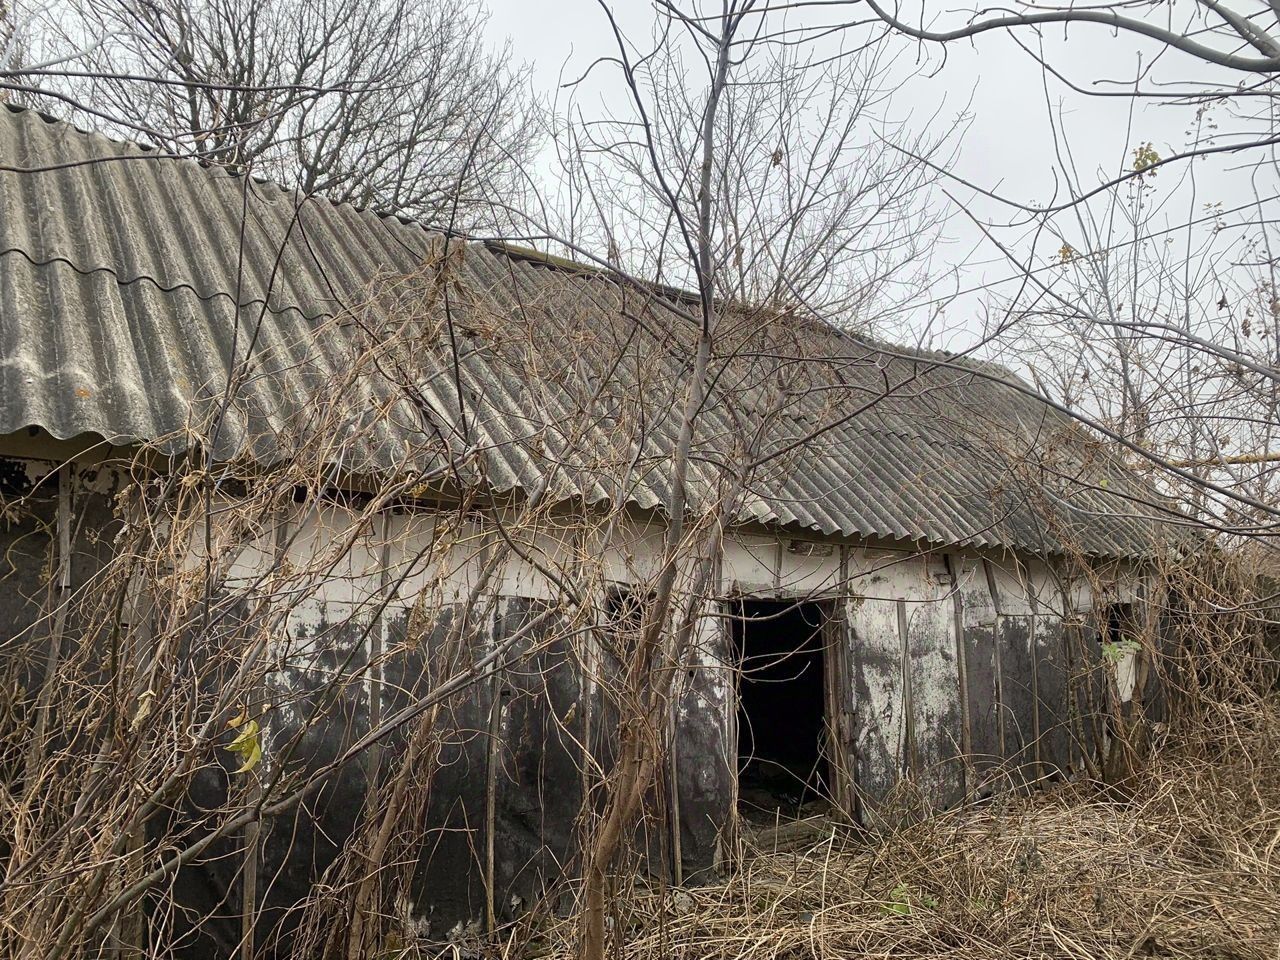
<point x="131" y="283"/>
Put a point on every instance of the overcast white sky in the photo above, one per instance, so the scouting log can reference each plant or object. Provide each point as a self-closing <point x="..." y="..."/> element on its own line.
<point x="1008" y="144"/>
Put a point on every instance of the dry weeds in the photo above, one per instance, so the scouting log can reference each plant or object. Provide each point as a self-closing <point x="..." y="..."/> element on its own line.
<point x="1184" y="866"/>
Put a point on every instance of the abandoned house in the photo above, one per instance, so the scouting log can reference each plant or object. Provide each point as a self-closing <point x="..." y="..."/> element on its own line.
<point x="917" y="561"/>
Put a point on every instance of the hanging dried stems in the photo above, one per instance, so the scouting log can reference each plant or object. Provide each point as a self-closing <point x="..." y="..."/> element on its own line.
<point x="250" y="593"/>
<point x="259" y="631"/>
<point x="1177" y="856"/>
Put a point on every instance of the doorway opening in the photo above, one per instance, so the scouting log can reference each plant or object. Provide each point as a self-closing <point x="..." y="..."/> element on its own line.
<point x="783" y="770"/>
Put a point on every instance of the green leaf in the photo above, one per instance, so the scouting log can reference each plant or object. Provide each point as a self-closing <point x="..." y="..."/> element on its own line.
<point x="1144" y="157"/>
<point x="1115" y="652"/>
<point x="247" y="745"/>
<point x="900" y="901"/>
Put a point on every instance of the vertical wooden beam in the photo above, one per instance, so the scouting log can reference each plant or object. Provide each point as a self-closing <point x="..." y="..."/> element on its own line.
<point x="1033" y="641"/>
<point x="491" y="779"/>
<point x="253" y="829"/>
<point x="836" y="669"/>
<point x="673" y="786"/>
<point x="249" y="876"/>
<point x="908" y="759"/>
<point x="589" y="669"/>
<point x="962" y="671"/>
<point x="996" y="664"/>
<point x="1072" y="646"/>
<point x="138" y="646"/>
<point x="728" y="850"/>
<point x="732" y="700"/>
<point x="848" y="709"/>
<point x="379" y="638"/>
<point x="61" y="596"/>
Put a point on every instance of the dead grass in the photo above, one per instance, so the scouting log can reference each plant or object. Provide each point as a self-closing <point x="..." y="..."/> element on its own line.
<point x="1186" y="866"/>
<point x="1179" y="860"/>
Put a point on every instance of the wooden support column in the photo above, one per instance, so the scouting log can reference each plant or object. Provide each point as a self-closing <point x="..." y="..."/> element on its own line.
<point x="1033" y="642"/>
<point x="257" y="708"/>
<point x="673" y="779"/>
<point x="908" y="759"/>
<point x="60" y="595"/>
<point x="1000" y="699"/>
<point x="836" y="666"/>
<point x="379" y="639"/>
<point x="962" y="671"/>
<point x="493" y="757"/>
<point x="734" y="838"/>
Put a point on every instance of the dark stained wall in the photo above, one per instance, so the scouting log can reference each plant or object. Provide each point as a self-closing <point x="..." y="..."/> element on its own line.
<point x="941" y="659"/>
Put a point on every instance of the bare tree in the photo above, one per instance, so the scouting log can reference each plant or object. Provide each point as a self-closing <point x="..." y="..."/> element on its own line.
<point x="759" y="182"/>
<point x="9" y="41"/>
<point x="808" y="205"/>
<point x="1167" y="334"/>
<point x="21" y="32"/>
<point x="393" y="105"/>
<point x="1143" y="306"/>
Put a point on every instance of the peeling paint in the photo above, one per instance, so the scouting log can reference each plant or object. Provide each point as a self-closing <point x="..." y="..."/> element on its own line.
<point x="1032" y="682"/>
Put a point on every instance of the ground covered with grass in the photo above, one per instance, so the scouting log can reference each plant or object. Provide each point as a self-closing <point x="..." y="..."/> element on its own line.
<point x="1182" y="861"/>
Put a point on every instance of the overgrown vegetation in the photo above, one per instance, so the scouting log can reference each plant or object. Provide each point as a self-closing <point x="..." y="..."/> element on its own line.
<point x="165" y="711"/>
<point x="1180" y="859"/>
<point x="1185" y="867"/>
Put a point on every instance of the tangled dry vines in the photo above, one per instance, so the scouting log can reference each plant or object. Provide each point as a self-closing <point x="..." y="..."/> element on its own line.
<point x="1185" y="865"/>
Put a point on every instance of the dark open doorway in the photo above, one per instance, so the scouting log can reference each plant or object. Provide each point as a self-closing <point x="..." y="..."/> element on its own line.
<point x="782" y="764"/>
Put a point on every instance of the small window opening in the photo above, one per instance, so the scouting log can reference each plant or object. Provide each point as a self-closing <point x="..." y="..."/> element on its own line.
<point x="1120" y="646"/>
<point x="782" y="765"/>
<point x="1121" y="625"/>
<point x="624" y="609"/>
<point x="624" y="613"/>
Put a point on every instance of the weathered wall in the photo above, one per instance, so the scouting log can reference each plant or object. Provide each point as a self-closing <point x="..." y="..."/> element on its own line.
<point x="705" y="751"/>
<point x="958" y="669"/>
<point x="57" y="529"/>
<point x="968" y="670"/>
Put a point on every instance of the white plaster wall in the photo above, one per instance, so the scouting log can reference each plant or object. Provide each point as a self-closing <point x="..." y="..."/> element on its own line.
<point x="432" y="556"/>
<point x="808" y="569"/>
<point x="935" y="680"/>
<point x="750" y="565"/>
<point x="631" y="552"/>
<point x="971" y="581"/>
<point x="880" y="729"/>
<point x="1012" y="596"/>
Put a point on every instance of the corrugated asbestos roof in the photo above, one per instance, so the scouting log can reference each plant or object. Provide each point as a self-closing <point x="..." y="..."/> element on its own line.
<point x="130" y="282"/>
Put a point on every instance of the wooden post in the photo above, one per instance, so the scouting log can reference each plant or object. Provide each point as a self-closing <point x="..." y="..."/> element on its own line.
<point x="673" y="790"/>
<point x="846" y="718"/>
<point x="139" y="641"/>
<point x="253" y="794"/>
<point x="908" y="760"/>
<point x="1033" y="643"/>
<point x="61" y="596"/>
<point x="734" y="839"/>
<point x="491" y="785"/>
<point x="995" y="644"/>
<point x="962" y="670"/>
<point x="378" y="641"/>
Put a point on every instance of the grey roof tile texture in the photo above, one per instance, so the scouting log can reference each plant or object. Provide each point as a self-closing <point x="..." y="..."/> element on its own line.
<point x="131" y="283"/>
